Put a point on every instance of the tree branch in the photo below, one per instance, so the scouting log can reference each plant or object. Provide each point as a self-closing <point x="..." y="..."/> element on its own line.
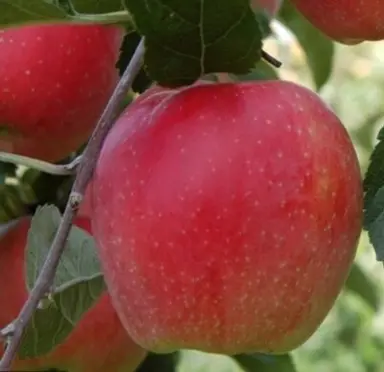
<point x="84" y="174"/>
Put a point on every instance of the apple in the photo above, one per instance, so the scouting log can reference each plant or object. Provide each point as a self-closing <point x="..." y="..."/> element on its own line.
<point x="226" y="216"/>
<point x="98" y="343"/>
<point x="271" y="6"/>
<point x="346" y="21"/>
<point x="55" y="81"/>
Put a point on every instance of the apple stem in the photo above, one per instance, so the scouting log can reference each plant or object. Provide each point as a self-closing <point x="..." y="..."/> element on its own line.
<point x="270" y="59"/>
<point x="84" y="174"/>
<point x="43" y="166"/>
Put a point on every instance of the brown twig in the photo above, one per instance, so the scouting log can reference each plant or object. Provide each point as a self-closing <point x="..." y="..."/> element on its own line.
<point x="84" y="174"/>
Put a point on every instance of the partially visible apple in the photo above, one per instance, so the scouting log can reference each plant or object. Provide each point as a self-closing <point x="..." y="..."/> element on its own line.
<point x="55" y="81"/>
<point x="346" y="21"/>
<point x="226" y="216"/>
<point x="98" y="343"/>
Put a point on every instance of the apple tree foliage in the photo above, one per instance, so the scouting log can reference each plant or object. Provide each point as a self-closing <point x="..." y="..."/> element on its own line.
<point x="184" y="40"/>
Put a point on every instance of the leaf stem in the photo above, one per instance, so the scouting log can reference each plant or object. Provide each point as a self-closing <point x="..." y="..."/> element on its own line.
<point x="270" y="59"/>
<point x="105" y="18"/>
<point x="84" y="174"/>
<point x="43" y="166"/>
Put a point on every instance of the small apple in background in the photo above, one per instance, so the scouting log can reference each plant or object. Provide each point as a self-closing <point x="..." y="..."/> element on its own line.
<point x="98" y="343"/>
<point x="346" y="21"/>
<point x="55" y="81"/>
<point x="226" y="216"/>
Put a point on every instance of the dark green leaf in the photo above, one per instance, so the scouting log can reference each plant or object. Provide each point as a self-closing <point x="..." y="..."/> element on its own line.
<point x="160" y="363"/>
<point x="6" y="170"/>
<point x="373" y="182"/>
<point x="97" y="6"/>
<point x="376" y="236"/>
<point x="362" y="285"/>
<point x="11" y="203"/>
<point x="319" y="49"/>
<point x="13" y="12"/>
<point x="266" y="363"/>
<point x="190" y="38"/>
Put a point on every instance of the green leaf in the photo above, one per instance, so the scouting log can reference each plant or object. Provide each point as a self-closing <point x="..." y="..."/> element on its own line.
<point x="51" y="325"/>
<point x="79" y="260"/>
<point x="97" y="6"/>
<point x="160" y="363"/>
<point x="319" y="48"/>
<point x="266" y="363"/>
<point x="376" y="236"/>
<point x="373" y="182"/>
<point x="190" y="38"/>
<point x="11" y="203"/>
<point x="6" y="170"/>
<point x="362" y="285"/>
<point x="77" y="285"/>
<point x="13" y="12"/>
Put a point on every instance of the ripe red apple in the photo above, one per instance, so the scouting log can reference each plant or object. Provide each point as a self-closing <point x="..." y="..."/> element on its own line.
<point x="271" y="6"/>
<point x="55" y="81"/>
<point x="226" y="216"/>
<point x="98" y="343"/>
<point x="346" y="21"/>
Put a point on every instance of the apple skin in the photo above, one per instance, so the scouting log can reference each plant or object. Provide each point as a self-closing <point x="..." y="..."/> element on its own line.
<point x="55" y="81"/>
<point x="98" y="343"/>
<point x="226" y="216"/>
<point x="271" y="6"/>
<point x="346" y="21"/>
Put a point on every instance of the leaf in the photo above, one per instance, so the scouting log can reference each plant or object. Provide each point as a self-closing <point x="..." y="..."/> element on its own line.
<point x="262" y="71"/>
<point x="376" y="236"/>
<point x="362" y="285"/>
<point x="319" y="48"/>
<point x="266" y="363"/>
<point x="77" y="284"/>
<point x="187" y="39"/>
<point x="6" y="170"/>
<point x="160" y="363"/>
<point x="11" y="203"/>
<point x="97" y="6"/>
<point x="52" y="325"/>
<point x="13" y="12"/>
<point x="373" y="182"/>
<point x="79" y="260"/>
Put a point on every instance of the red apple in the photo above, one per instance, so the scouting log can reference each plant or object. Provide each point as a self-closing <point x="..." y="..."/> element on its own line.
<point x="347" y="21"/>
<point x="55" y="81"/>
<point x="271" y="6"/>
<point x="226" y="216"/>
<point x="98" y="343"/>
